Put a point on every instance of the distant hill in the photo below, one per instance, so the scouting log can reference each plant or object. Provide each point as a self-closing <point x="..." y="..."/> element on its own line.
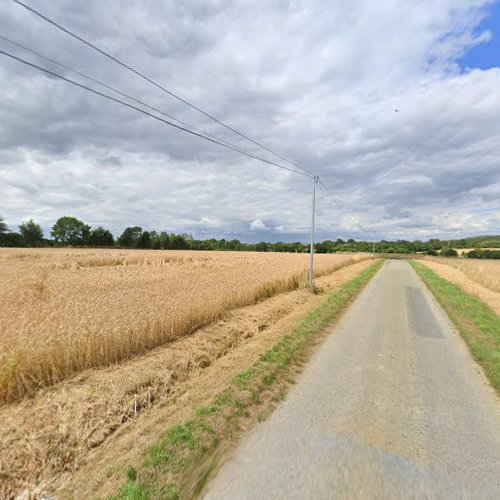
<point x="490" y="241"/>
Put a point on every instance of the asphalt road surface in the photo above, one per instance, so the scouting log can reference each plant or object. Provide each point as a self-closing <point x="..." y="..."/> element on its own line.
<point x="391" y="406"/>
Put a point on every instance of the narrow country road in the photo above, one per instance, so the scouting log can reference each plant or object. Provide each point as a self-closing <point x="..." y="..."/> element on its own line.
<point x="391" y="406"/>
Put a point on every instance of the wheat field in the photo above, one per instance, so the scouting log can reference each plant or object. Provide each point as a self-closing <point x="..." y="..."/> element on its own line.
<point x="483" y="271"/>
<point x="461" y="251"/>
<point x="67" y="310"/>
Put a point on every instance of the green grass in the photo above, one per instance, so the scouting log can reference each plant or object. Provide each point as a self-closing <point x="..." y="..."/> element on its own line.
<point x="476" y="322"/>
<point x="184" y="458"/>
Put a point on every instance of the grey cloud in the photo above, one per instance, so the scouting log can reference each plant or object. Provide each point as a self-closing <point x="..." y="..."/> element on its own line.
<point x="317" y="81"/>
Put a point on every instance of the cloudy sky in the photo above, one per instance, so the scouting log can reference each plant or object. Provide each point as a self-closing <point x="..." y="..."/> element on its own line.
<point x="394" y="104"/>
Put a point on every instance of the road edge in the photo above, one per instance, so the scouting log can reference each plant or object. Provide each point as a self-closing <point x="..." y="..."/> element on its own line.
<point x="181" y="463"/>
<point x="475" y="321"/>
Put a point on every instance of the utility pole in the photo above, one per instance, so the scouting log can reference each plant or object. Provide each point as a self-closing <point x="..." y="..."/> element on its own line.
<point x="311" y="255"/>
<point x="373" y="246"/>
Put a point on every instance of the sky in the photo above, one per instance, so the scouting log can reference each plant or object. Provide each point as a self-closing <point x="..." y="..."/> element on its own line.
<point x="395" y="105"/>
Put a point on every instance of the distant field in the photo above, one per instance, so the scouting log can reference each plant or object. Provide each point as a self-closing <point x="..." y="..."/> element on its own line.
<point x="66" y="310"/>
<point x="461" y="251"/>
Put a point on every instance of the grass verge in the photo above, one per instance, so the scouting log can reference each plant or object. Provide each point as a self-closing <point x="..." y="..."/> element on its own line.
<point x="186" y="456"/>
<point x="476" y="322"/>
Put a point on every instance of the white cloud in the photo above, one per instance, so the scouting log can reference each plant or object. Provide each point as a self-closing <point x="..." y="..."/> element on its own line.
<point x="257" y="225"/>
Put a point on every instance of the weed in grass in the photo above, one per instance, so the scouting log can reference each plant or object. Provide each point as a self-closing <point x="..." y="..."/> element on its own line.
<point x="131" y="474"/>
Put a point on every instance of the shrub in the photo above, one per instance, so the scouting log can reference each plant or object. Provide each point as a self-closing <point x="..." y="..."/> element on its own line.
<point x="449" y="252"/>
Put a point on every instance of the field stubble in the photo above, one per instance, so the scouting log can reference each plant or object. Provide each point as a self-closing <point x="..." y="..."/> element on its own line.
<point x="64" y="311"/>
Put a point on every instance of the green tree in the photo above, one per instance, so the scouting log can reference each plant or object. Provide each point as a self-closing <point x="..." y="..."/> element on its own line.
<point x="144" y="240"/>
<point x="3" y="227"/>
<point x="130" y="237"/>
<point x="155" y="240"/>
<point x="261" y="247"/>
<point x="165" y="240"/>
<point x="11" y="239"/>
<point x="31" y="232"/>
<point x="70" y="231"/>
<point x="449" y="252"/>
<point x="100" y="237"/>
<point x="179" y="241"/>
<point x="8" y="238"/>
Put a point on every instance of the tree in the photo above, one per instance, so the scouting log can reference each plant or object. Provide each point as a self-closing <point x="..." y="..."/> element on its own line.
<point x="164" y="240"/>
<point x="8" y="238"/>
<point x="130" y="237"/>
<point x="3" y="227"/>
<point x="449" y="252"/>
<point x="70" y="231"/>
<point x="155" y="240"/>
<point x="261" y="247"/>
<point x="144" y="240"/>
<point x="31" y="232"/>
<point x="100" y="237"/>
<point x="11" y="239"/>
<point x="179" y="241"/>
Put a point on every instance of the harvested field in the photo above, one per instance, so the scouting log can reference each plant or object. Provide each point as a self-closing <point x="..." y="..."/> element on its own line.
<point x="480" y="278"/>
<point x="81" y="435"/>
<point x="64" y="311"/>
<point x="461" y="251"/>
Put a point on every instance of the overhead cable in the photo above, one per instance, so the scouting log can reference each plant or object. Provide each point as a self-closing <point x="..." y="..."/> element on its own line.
<point x="147" y="113"/>
<point x="153" y="82"/>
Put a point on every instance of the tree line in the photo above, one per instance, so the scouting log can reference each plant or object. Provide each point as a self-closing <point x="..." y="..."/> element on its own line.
<point x="70" y="231"/>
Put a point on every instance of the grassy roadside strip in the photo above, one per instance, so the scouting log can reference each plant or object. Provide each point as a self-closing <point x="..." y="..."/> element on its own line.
<point x="476" y="322"/>
<point x="180" y="463"/>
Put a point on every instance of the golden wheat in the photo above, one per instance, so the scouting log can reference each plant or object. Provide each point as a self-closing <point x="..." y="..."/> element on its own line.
<point x="64" y="311"/>
<point x="483" y="271"/>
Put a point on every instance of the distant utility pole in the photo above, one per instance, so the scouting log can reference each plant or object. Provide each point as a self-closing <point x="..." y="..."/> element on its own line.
<point x="311" y="255"/>
<point x="373" y="245"/>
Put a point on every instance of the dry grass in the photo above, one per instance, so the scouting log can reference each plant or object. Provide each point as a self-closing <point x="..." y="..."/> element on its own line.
<point x="482" y="271"/>
<point x="64" y="311"/>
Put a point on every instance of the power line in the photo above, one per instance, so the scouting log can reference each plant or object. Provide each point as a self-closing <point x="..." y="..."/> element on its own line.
<point x="176" y="96"/>
<point x="325" y="188"/>
<point x="152" y="82"/>
<point x="113" y="89"/>
<point x="109" y="87"/>
<point x="335" y="198"/>
<point x="339" y="203"/>
<point x="131" y="106"/>
<point x="206" y="136"/>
